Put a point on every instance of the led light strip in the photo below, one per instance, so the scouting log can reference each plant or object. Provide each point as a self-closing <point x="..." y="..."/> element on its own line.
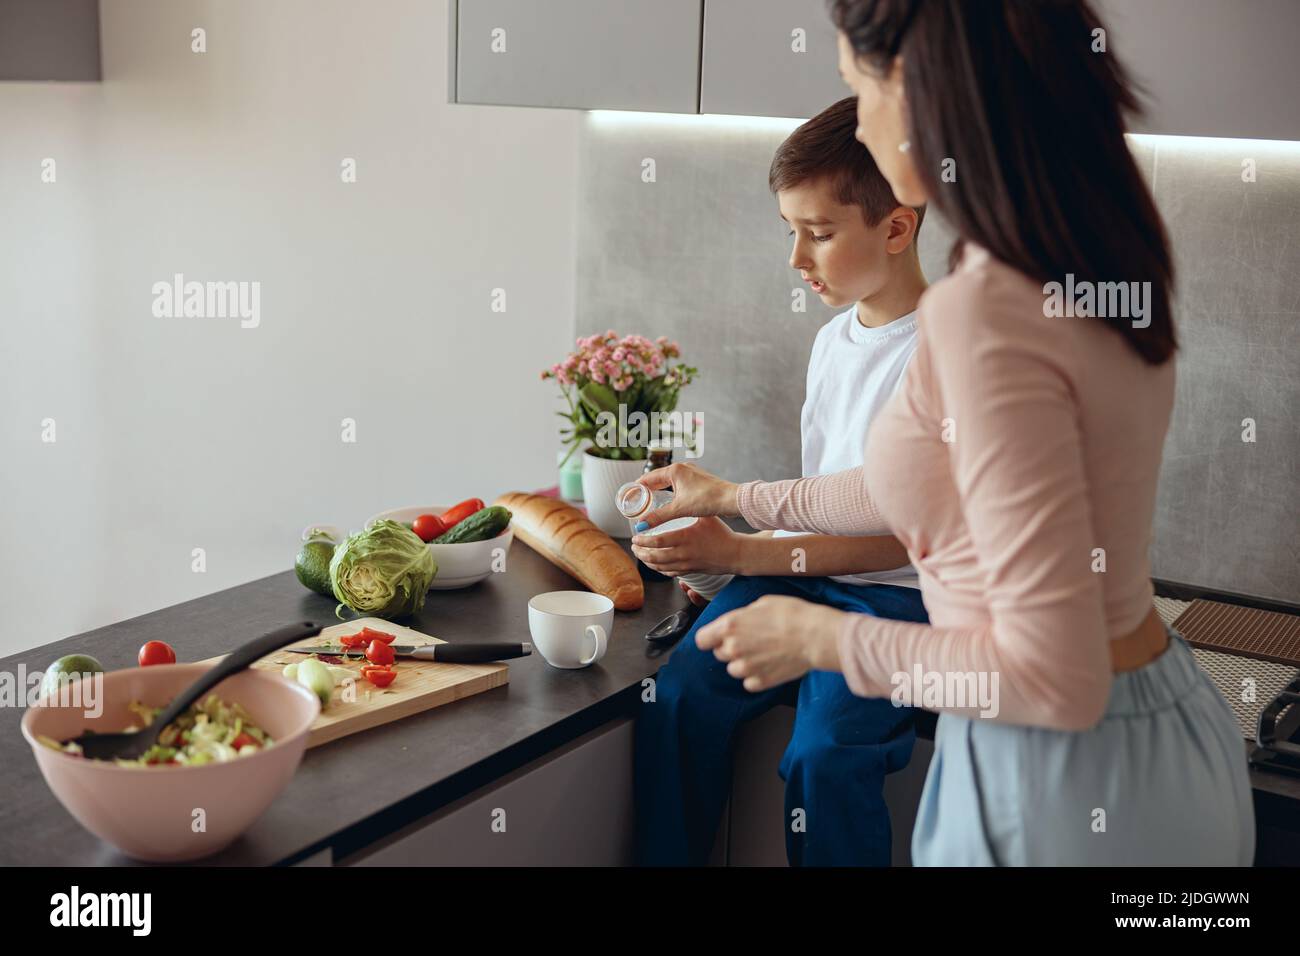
<point x="775" y="124"/>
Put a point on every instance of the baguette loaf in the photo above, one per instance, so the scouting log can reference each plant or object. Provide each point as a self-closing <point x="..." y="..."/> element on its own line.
<point x="564" y="536"/>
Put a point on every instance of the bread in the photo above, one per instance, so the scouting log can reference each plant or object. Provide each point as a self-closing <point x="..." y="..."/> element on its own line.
<point x="564" y="536"/>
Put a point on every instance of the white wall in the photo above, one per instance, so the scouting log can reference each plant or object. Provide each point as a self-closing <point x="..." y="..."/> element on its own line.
<point x="174" y="433"/>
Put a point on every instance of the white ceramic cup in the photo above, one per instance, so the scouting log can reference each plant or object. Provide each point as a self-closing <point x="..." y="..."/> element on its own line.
<point x="571" y="628"/>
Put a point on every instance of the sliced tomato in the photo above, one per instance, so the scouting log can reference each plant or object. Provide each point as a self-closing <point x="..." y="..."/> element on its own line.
<point x="354" y="640"/>
<point x="380" y="678"/>
<point x="380" y="653"/>
<point x="458" y="513"/>
<point x="376" y="635"/>
<point x="243" y="740"/>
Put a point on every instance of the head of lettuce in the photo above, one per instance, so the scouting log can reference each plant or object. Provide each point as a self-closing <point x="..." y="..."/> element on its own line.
<point x="384" y="571"/>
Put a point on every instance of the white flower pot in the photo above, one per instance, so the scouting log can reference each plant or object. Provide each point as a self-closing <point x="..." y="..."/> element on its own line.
<point x="601" y="478"/>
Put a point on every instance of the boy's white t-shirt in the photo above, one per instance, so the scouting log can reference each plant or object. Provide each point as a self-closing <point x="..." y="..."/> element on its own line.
<point x="852" y="372"/>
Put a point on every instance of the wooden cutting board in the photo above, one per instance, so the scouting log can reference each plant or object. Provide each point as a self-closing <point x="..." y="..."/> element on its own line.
<point x="420" y="685"/>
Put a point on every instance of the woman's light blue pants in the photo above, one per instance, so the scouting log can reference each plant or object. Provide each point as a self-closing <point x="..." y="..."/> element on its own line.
<point x="1161" y="781"/>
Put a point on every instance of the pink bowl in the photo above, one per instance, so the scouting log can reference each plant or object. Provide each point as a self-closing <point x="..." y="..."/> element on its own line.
<point x="149" y="812"/>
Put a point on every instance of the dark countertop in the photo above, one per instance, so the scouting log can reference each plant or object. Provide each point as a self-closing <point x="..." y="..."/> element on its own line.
<point x="352" y="791"/>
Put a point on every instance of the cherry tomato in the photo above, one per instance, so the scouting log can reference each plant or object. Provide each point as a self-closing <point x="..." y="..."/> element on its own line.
<point x="354" y="640"/>
<point x="428" y="527"/>
<point x="243" y="740"/>
<point x="377" y="635"/>
<point x="455" y="515"/>
<point x="380" y="678"/>
<point x="380" y="653"/>
<point x="156" y="652"/>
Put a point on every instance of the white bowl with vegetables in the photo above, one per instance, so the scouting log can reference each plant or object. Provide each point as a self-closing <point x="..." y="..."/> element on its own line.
<point x="468" y="541"/>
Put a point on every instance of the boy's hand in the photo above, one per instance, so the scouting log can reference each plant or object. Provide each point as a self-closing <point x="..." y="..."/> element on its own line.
<point x="692" y="595"/>
<point x="707" y="547"/>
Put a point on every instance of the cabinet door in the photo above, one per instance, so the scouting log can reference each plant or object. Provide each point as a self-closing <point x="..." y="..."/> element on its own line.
<point x="769" y="58"/>
<point x="1223" y="68"/>
<point x="582" y="54"/>
<point x="572" y="807"/>
<point x="49" y="40"/>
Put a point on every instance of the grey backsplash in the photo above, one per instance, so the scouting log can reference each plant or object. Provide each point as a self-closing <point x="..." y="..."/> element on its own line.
<point x="700" y="255"/>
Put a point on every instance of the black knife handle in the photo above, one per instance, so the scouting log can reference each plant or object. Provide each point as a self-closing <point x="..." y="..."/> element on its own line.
<point x="476" y="653"/>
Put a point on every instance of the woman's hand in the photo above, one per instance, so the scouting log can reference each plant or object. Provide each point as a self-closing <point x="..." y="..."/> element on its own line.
<point x="774" y="640"/>
<point x="708" y="547"/>
<point x="696" y="493"/>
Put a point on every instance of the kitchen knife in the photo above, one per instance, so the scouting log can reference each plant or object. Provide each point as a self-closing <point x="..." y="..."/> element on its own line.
<point x="441" y="653"/>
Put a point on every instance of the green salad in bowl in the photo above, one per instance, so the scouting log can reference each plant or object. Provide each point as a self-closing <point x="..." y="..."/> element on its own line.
<point x="211" y="731"/>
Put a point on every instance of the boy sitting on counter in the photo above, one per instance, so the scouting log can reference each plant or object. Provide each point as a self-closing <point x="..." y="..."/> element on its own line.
<point x="854" y="244"/>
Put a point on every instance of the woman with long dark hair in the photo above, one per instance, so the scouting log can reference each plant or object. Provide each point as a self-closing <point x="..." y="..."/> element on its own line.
<point x="1018" y="462"/>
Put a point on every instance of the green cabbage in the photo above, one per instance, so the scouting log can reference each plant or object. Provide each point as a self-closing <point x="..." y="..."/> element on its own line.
<point x="384" y="570"/>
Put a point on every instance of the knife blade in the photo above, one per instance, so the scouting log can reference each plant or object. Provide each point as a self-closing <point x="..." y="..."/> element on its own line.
<point x="441" y="653"/>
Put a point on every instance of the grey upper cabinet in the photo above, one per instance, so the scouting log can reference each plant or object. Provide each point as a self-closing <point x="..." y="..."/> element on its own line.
<point x="585" y="54"/>
<point x="1221" y="68"/>
<point x="1211" y="67"/>
<point x="49" y="40"/>
<point x="769" y="58"/>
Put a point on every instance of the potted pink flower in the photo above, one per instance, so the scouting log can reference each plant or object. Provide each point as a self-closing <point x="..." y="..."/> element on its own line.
<point x="622" y="395"/>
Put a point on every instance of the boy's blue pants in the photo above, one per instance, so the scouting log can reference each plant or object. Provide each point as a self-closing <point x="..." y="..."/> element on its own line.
<point x="835" y="764"/>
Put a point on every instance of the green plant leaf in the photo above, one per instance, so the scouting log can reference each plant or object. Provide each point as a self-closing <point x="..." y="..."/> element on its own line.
<point x="601" y="398"/>
<point x="649" y="398"/>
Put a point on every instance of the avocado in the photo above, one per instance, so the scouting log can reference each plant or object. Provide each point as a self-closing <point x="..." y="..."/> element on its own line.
<point x="313" y="566"/>
<point x="72" y="665"/>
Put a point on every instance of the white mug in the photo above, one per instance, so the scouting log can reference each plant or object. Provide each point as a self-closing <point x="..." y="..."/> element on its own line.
<point x="571" y="628"/>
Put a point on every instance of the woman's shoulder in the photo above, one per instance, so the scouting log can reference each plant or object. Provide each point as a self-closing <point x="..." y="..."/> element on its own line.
<point x="986" y="310"/>
<point x="985" y="294"/>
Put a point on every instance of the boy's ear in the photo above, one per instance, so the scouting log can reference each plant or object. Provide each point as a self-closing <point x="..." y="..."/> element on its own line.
<point x="903" y="222"/>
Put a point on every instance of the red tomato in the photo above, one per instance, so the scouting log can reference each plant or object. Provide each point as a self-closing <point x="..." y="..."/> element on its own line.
<point x="380" y="653"/>
<point x="380" y="677"/>
<point x="243" y="740"/>
<point x="455" y="515"/>
<point x="354" y="640"/>
<point x="377" y="635"/>
<point x="156" y="652"/>
<point x="428" y="527"/>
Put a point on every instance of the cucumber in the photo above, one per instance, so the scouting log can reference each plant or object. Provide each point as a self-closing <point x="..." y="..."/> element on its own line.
<point x="479" y="526"/>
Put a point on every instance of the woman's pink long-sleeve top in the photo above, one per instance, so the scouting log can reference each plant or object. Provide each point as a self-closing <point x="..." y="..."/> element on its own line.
<point x="1018" y="465"/>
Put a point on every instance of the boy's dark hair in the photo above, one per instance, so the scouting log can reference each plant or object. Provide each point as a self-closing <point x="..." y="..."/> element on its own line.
<point x="825" y="147"/>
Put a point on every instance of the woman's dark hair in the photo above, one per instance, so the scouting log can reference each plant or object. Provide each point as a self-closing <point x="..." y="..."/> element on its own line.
<point x="1012" y="90"/>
